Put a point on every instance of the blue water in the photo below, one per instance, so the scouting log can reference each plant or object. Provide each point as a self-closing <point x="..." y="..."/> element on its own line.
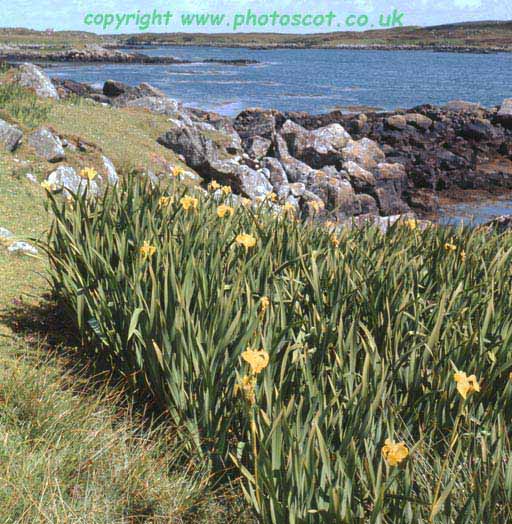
<point x="313" y="80"/>
<point x="320" y="80"/>
<point x="475" y="213"/>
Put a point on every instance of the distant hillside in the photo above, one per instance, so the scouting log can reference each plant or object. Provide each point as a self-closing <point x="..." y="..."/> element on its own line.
<point x="487" y="34"/>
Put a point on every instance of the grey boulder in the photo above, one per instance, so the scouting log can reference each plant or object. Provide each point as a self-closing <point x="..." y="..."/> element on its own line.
<point x="46" y="145"/>
<point x="33" y="77"/>
<point x="365" y="152"/>
<point x="317" y="148"/>
<point x="10" y="136"/>
<point x="22" y="248"/>
<point x="66" y="179"/>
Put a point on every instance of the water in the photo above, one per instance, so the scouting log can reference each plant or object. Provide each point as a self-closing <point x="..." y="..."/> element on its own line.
<point x="320" y="80"/>
<point x="313" y="80"/>
<point x="475" y="213"/>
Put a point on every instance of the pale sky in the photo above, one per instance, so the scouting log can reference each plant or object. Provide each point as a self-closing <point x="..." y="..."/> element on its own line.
<point x="70" y="14"/>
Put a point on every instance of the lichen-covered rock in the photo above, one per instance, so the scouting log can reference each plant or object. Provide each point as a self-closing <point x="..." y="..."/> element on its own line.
<point x="46" y="145"/>
<point x="65" y="178"/>
<point x="249" y="182"/>
<point x="418" y="120"/>
<point x="112" y="176"/>
<point x="396" y="122"/>
<point x="10" y="136"/>
<point x="501" y="224"/>
<point x="256" y="121"/>
<point x="365" y="152"/>
<point x="362" y="180"/>
<point x="158" y="105"/>
<point x="277" y="176"/>
<point x="462" y="106"/>
<point x="391" y="182"/>
<point x="337" y="195"/>
<point x="317" y="148"/>
<point x="296" y="170"/>
<point x="33" y="77"/>
<point x="198" y="150"/>
<point x="258" y="147"/>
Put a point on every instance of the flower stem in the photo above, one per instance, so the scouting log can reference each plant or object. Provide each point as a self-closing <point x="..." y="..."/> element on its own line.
<point x="255" y="455"/>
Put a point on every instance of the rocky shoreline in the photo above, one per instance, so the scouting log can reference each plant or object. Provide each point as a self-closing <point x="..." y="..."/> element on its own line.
<point x="437" y="48"/>
<point x="97" y="54"/>
<point x="334" y="166"/>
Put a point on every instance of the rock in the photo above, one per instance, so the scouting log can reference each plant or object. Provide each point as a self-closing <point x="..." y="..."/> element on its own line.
<point x="479" y="130"/>
<point x="256" y="121"/>
<point x="461" y="106"/>
<point x="296" y="170"/>
<point x="198" y="150"/>
<point x="500" y="224"/>
<point x="397" y="122"/>
<point x="365" y="204"/>
<point x="46" y="145"/>
<point x="66" y="88"/>
<point x="504" y="115"/>
<point x="32" y="77"/>
<point x="362" y="180"/>
<point x="5" y="235"/>
<point x="423" y="200"/>
<point x="297" y="189"/>
<point x="31" y="178"/>
<point x="317" y="148"/>
<point x="337" y="195"/>
<point x="151" y="91"/>
<point x="22" y="248"/>
<point x="159" y="105"/>
<point x="391" y="183"/>
<point x="10" y="136"/>
<point x="113" y="88"/>
<point x="365" y="152"/>
<point x="242" y="179"/>
<point x="65" y="178"/>
<point x="277" y="176"/>
<point x="258" y="147"/>
<point x="359" y="122"/>
<point x="253" y="183"/>
<point x="418" y="120"/>
<point x="112" y="176"/>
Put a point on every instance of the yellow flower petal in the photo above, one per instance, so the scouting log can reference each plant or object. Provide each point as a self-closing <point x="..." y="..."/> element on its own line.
<point x="258" y="360"/>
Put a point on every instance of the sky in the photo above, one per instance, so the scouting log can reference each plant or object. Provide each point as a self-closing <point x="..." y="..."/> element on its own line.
<point x="71" y="14"/>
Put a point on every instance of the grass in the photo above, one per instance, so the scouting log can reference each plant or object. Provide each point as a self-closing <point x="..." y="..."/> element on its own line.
<point x="361" y="336"/>
<point x="72" y="450"/>
<point x="126" y="136"/>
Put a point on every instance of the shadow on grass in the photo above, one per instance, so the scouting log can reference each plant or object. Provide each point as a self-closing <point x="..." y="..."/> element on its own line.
<point x="45" y="326"/>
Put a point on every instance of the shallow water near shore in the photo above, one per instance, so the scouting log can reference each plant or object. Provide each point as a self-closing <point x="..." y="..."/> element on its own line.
<point x="475" y="213"/>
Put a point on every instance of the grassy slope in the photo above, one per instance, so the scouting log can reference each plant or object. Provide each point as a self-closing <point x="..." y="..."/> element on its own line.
<point x="68" y="455"/>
